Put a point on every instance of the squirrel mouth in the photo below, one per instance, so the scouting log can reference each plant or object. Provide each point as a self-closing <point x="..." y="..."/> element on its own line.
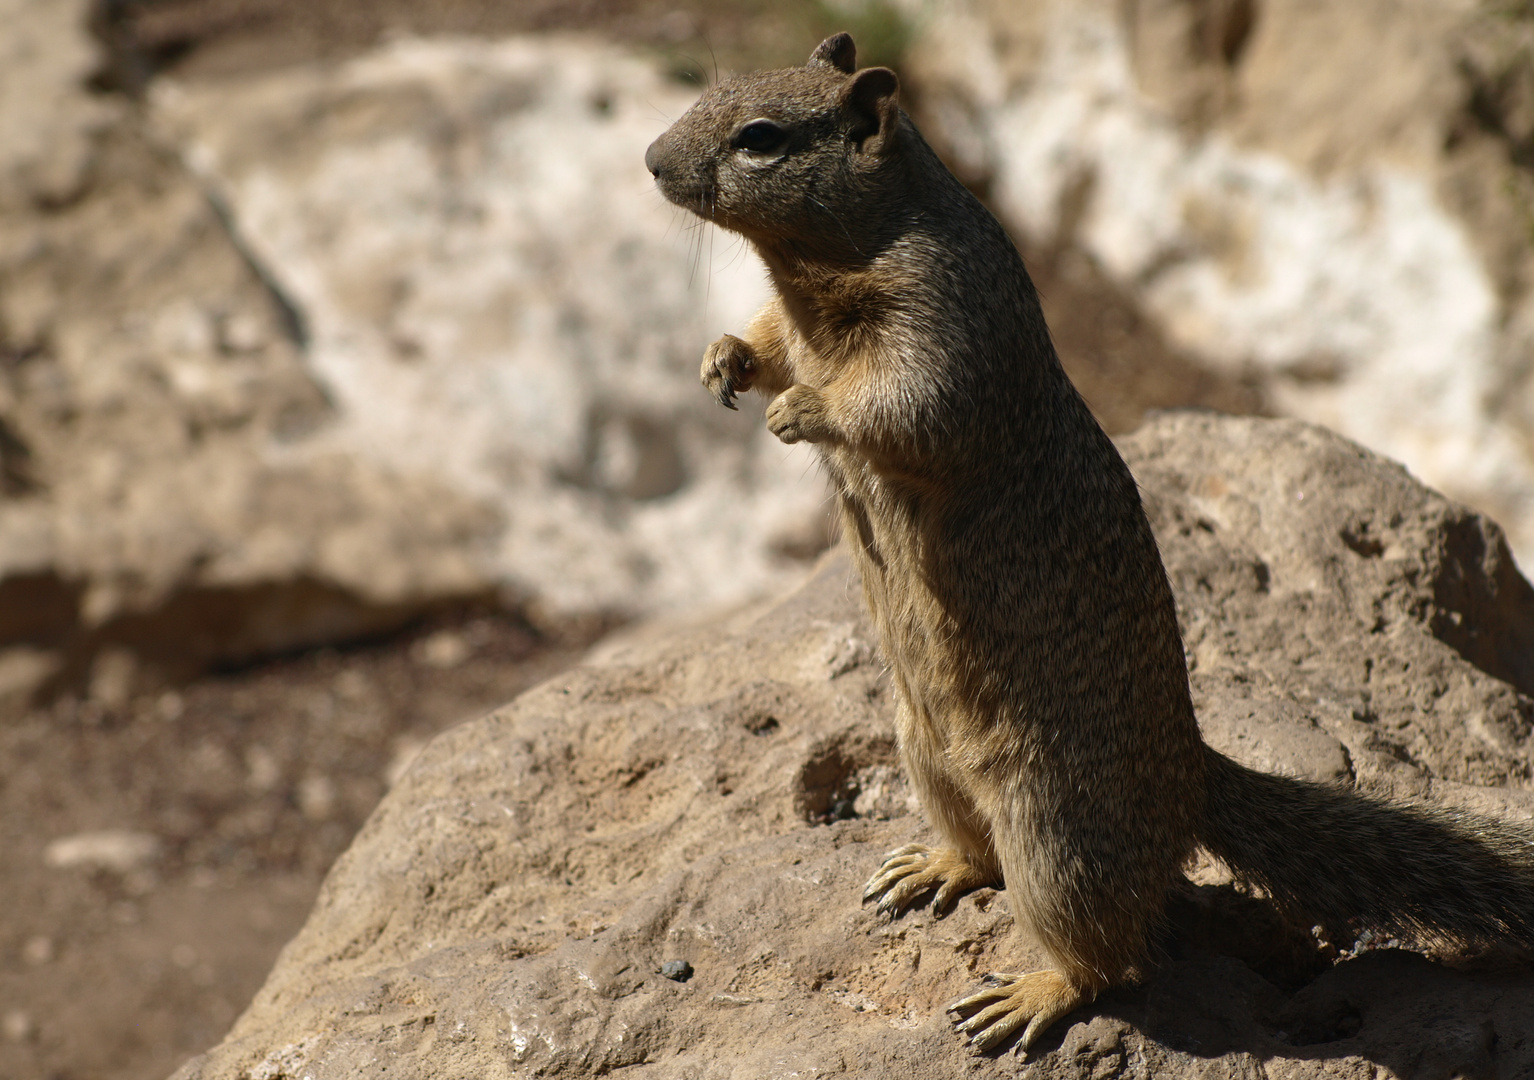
<point x="702" y="200"/>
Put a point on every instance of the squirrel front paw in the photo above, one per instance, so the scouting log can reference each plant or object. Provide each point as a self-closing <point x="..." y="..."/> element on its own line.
<point x="800" y="414"/>
<point x="729" y="368"/>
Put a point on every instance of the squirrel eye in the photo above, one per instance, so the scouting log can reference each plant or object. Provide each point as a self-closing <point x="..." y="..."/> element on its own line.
<point x="759" y="137"/>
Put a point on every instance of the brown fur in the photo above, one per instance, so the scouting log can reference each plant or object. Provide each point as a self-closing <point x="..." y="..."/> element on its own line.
<point x="1043" y="707"/>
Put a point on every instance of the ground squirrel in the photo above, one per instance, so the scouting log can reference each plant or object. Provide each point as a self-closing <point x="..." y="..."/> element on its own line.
<point x="1043" y="706"/>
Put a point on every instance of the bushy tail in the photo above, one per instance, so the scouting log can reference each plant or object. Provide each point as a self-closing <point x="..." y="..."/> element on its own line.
<point x="1349" y="862"/>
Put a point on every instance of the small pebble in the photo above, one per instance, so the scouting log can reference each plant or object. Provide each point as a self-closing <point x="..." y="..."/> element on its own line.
<point x="170" y="706"/>
<point x="353" y="684"/>
<point x="112" y="678"/>
<point x="241" y="332"/>
<point x="37" y="951"/>
<point x="109" y="849"/>
<point x="443" y="650"/>
<point x="263" y="770"/>
<point x="317" y="797"/>
<point x="18" y="1026"/>
<point x="676" y="970"/>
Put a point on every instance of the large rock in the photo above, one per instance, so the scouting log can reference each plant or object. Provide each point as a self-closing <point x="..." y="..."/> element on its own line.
<point x="494" y="297"/>
<point x="686" y="797"/>
<point x="292" y="358"/>
<point x="1330" y="200"/>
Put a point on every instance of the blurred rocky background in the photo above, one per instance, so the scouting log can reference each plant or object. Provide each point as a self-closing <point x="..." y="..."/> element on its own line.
<point x="347" y="377"/>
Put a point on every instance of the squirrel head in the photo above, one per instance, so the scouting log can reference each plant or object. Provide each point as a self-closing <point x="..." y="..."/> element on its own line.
<point x="789" y="157"/>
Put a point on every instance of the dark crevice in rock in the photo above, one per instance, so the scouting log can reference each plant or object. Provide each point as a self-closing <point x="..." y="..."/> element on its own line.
<point x="1483" y="607"/>
<point x="224" y="627"/>
<point x="38" y="609"/>
<point x="201" y="629"/>
<point x="1323" y="1022"/>
<point x="290" y="314"/>
<point x="17" y="476"/>
<point x="132" y="59"/>
<point x="828" y="783"/>
<point x="1360" y="542"/>
<point x="1220" y="30"/>
<point x="1495" y="102"/>
<point x="1222" y="920"/>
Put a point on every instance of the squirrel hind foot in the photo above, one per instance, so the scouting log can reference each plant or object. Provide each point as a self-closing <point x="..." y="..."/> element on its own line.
<point x="1008" y="1002"/>
<point x="910" y="873"/>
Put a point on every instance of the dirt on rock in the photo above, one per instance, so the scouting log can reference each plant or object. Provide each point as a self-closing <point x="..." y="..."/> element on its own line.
<point x="163" y="845"/>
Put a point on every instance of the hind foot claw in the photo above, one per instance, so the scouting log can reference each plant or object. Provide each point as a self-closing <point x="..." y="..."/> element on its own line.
<point x="909" y="873"/>
<point x="1008" y="1002"/>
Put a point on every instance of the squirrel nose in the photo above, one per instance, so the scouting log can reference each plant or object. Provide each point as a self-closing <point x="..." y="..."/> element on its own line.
<point x="652" y="159"/>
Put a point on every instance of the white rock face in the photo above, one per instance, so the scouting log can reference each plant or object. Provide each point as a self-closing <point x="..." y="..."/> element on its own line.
<point x="1355" y="296"/>
<point x="494" y="296"/>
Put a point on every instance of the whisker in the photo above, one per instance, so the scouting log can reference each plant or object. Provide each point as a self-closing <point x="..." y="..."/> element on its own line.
<point x="836" y="218"/>
<point x="696" y="255"/>
<point x="708" y="285"/>
<point x="698" y="73"/>
<point x="659" y="113"/>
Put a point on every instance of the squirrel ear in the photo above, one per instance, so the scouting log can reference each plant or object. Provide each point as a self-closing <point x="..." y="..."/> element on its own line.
<point x="836" y="51"/>
<point x="872" y="97"/>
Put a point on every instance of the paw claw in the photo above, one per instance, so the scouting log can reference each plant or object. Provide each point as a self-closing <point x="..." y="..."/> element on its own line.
<point x="729" y="368"/>
<point x="1030" y="1002"/>
<point x="911" y="872"/>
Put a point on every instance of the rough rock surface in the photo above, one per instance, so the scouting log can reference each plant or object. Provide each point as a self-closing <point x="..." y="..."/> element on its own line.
<point x="1329" y="199"/>
<point x="507" y="910"/>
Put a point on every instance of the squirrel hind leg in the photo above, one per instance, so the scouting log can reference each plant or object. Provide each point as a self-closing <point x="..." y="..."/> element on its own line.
<point x="910" y="873"/>
<point x="1010" y="1002"/>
